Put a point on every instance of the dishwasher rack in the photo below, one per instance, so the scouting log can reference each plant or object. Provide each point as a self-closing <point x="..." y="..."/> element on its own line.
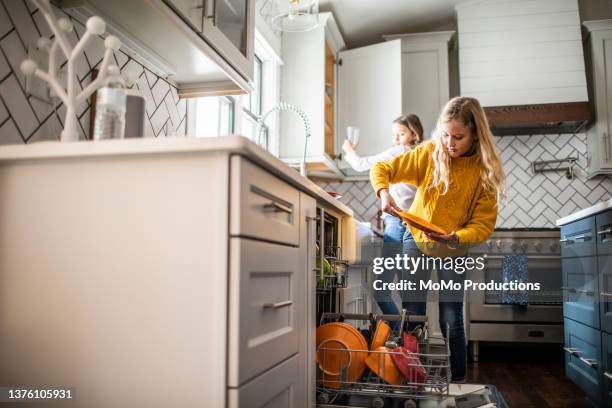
<point x="369" y="389"/>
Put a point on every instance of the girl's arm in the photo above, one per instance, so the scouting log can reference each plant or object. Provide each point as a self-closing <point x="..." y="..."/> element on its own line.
<point x="359" y="163"/>
<point x="482" y="221"/>
<point x="405" y="168"/>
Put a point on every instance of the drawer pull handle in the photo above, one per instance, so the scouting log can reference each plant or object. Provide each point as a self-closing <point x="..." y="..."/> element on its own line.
<point x="277" y="207"/>
<point x="607" y="374"/>
<point x="278" y="305"/>
<point x="564" y="240"/>
<point x="604" y="232"/>
<point x="590" y="362"/>
<point x="572" y="351"/>
<point x="586" y="292"/>
<point x="583" y="237"/>
<point x="573" y="290"/>
<point x="605" y="294"/>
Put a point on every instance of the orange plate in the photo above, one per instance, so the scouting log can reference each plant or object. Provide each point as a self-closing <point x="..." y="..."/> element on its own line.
<point x="340" y="336"/>
<point x="382" y="365"/>
<point x="381" y="335"/>
<point x="420" y="223"/>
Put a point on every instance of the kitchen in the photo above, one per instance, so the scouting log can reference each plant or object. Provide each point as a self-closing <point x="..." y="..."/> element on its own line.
<point x="219" y="299"/>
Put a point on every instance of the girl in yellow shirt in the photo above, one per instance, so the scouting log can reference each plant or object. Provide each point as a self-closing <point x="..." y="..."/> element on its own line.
<point x="460" y="180"/>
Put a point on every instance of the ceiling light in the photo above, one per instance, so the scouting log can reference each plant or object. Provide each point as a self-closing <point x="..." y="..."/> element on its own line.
<point x="296" y="15"/>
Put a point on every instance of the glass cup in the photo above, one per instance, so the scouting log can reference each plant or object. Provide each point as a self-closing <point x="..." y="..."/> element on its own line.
<point x="352" y="134"/>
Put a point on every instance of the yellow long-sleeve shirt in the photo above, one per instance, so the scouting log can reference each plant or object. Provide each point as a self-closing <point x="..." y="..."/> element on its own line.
<point x="466" y="208"/>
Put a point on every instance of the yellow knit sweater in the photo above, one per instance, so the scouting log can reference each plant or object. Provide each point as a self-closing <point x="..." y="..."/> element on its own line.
<point x="466" y="208"/>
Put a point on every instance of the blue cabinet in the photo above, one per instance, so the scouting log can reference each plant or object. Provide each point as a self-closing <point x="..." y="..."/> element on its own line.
<point x="578" y="238"/>
<point x="604" y="233"/>
<point x="606" y="379"/>
<point x="604" y="265"/>
<point x="583" y="358"/>
<point x="581" y="290"/>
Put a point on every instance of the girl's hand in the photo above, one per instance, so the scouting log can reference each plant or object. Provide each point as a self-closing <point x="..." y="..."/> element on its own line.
<point x="451" y="238"/>
<point x="388" y="204"/>
<point x="348" y="147"/>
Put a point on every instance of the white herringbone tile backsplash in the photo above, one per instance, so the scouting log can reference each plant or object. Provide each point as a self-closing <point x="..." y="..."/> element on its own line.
<point x="534" y="201"/>
<point x="25" y="118"/>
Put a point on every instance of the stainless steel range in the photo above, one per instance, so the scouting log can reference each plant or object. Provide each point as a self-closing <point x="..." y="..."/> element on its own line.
<point x="539" y="317"/>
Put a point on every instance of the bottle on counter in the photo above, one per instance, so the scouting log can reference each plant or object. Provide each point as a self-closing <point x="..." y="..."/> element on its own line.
<point x="110" y="107"/>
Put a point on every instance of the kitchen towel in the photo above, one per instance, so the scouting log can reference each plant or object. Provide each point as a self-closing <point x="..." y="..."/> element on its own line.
<point x="514" y="268"/>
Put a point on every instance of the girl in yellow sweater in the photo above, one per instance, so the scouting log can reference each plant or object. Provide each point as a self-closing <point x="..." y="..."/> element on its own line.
<point x="460" y="180"/>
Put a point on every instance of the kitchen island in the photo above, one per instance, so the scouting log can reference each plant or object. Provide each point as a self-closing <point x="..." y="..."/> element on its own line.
<point x="160" y="272"/>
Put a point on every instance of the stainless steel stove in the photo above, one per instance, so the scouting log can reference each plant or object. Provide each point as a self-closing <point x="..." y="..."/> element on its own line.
<point x="539" y="319"/>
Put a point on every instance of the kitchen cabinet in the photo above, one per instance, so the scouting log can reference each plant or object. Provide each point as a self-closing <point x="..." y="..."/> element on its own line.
<point x="365" y="87"/>
<point x="204" y="47"/>
<point x="309" y="81"/>
<point x="587" y="301"/>
<point x="410" y="73"/>
<point x="229" y="26"/>
<point x="583" y="358"/>
<point x="599" y="146"/>
<point x="158" y="281"/>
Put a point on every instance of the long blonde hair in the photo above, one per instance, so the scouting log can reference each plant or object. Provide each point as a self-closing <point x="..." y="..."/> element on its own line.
<point x="469" y="112"/>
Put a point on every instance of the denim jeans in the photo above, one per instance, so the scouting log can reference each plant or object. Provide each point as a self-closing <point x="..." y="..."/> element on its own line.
<point x="394" y="230"/>
<point x="451" y="309"/>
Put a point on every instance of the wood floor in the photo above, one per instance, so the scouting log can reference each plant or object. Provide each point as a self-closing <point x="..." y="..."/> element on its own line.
<point x="527" y="375"/>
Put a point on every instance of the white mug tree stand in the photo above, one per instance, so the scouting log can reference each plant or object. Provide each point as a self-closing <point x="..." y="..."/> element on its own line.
<point x="72" y="95"/>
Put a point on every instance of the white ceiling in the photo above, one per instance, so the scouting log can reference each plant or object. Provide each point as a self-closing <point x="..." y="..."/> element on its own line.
<point x="363" y="22"/>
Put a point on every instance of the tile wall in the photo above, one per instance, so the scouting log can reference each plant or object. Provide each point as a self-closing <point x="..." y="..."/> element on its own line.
<point x="28" y="114"/>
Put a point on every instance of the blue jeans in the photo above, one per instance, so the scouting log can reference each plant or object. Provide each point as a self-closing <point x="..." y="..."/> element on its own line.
<point x="394" y="230"/>
<point x="451" y="309"/>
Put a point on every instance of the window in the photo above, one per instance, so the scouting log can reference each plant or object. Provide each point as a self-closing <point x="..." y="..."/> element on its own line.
<point x="252" y="109"/>
<point x="215" y="116"/>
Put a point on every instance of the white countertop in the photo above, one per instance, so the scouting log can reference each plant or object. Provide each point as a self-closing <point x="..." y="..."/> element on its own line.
<point x="604" y="205"/>
<point x="140" y="146"/>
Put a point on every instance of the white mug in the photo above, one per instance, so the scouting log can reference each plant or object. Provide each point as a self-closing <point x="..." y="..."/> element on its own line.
<point x="352" y="134"/>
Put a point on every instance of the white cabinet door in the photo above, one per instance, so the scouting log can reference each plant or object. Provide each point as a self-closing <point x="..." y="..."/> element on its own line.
<point x="229" y="25"/>
<point x="600" y="134"/>
<point x="370" y="94"/>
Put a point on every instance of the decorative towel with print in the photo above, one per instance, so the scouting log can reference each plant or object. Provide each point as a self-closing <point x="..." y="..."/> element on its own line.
<point x="514" y="268"/>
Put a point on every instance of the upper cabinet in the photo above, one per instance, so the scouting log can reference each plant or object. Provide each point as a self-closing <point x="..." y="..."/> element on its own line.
<point x="599" y="144"/>
<point x="309" y="81"/>
<point x="204" y="46"/>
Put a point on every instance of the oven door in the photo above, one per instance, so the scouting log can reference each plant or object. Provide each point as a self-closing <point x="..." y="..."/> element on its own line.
<point x="545" y="305"/>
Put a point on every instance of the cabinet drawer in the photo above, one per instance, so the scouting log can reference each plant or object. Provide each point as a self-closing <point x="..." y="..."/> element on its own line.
<point x="262" y="206"/>
<point x="578" y="238"/>
<point x="266" y="305"/>
<point x="581" y="290"/>
<point x="276" y="388"/>
<point x="604" y="264"/>
<point x="583" y="357"/>
<point x="606" y="379"/>
<point x="604" y="233"/>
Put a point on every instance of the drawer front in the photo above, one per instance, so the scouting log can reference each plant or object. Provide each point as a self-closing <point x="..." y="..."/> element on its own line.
<point x="583" y="357"/>
<point x="581" y="290"/>
<point x="266" y="305"/>
<point x="606" y="379"/>
<point x="578" y="238"/>
<point x="604" y="233"/>
<point x="262" y="205"/>
<point x="604" y="264"/>
<point x="276" y="388"/>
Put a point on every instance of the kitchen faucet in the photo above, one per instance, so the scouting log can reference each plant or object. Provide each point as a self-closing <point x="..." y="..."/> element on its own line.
<point x="284" y="106"/>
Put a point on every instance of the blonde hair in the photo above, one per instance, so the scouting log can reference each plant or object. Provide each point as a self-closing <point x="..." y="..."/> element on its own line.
<point x="413" y="123"/>
<point x="469" y="112"/>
